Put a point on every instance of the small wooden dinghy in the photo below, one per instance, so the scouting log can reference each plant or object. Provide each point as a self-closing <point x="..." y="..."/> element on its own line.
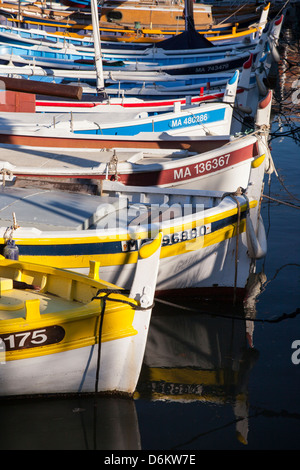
<point x="62" y="332"/>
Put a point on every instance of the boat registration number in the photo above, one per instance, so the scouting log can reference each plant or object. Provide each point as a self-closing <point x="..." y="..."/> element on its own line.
<point x="32" y="338"/>
<point x="189" y="120"/>
<point x="185" y="235"/>
<point x="212" y="68"/>
<point x="170" y="239"/>
<point x="208" y="166"/>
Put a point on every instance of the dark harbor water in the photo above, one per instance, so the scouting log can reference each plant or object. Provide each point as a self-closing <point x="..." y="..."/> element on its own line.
<point x="208" y="382"/>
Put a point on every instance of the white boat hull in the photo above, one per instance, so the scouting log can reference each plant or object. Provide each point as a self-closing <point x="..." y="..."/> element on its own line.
<point x="73" y="371"/>
<point x="209" y="270"/>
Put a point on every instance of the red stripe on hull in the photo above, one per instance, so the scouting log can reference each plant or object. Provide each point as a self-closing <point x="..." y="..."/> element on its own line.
<point x="145" y="104"/>
<point x="166" y="177"/>
<point x="90" y="143"/>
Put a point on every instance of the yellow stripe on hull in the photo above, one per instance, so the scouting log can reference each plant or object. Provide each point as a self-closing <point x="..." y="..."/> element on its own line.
<point x="130" y="257"/>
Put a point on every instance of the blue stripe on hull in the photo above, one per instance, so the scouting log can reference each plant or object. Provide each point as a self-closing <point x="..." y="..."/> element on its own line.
<point x="101" y="248"/>
<point x="161" y="126"/>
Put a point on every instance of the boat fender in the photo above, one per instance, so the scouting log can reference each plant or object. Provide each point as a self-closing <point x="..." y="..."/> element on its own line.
<point x="270" y="81"/>
<point x="269" y="164"/>
<point x="274" y="53"/>
<point x="261" y="86"/>
<point x="244" y="109"/>
<point x="257" y="243"/>
<point x="258" y="161"/>
<point x="11" y="251"/>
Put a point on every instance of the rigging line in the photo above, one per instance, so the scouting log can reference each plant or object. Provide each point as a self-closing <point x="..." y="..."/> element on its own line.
<point x="257" y="413"/>
<point x="205" y="433"/>
<point x="280" y="180"/>
<point x="292" y="132"/>
<point x="276" y="414"/>
<point x="105" y="298"/>
<point x="232" y="14"/>
<point x="284" y="316"/>
<point x="279" y="269"/>
<point x="294" y="206"/>
<point x="100" y="342"/>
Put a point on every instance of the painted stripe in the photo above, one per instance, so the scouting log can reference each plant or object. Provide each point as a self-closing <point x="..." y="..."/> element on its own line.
<point x="142" y="104"/>
<point x="84" y="250"/>
<point x="180" y="122"/>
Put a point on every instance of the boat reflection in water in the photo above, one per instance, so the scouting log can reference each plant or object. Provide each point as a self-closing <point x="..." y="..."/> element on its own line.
<point x="204" y="357"/>
<point x="79" y="423"/>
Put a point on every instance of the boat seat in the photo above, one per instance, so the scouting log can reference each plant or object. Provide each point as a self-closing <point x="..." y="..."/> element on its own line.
<point x="5" y="284"/>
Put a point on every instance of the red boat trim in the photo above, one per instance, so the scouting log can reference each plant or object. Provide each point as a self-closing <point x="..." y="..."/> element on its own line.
<point x="165" y="177"/>
<point x="199" y="146"/>
<point x="277" y="22"/>
<point x="248" y="63"/>
<point x="146" y="104"/>
<point x="265" y="101"/>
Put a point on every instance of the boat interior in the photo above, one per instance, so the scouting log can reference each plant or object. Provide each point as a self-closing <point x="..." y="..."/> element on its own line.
<point x="38" y="210"/>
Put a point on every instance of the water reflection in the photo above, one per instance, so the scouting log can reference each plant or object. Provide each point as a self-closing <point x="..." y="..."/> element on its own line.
<point x="82" y="423"/>
<point x="205" y="357"/>
<point x="286" y="102"/>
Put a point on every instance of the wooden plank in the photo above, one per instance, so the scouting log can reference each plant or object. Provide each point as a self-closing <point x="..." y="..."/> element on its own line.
<point x="42" y="88"/>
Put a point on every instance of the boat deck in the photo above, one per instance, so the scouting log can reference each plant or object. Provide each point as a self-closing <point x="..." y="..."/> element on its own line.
<point x="12" y="120"/>
<point x="12" y="302"/>
<point x="41" y="210"/>
<point x="81" y="160"/>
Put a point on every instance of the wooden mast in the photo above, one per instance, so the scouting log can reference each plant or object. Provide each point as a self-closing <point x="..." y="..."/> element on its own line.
<point x="97" y="46"/>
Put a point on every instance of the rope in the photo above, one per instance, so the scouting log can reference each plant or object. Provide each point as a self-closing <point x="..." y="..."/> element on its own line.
<point x="12" y="228"/>
<point x="121" y="292"/>
<point x="239" y="192"/>
<point x="4" y="172"/>
<point x="279" y="179"/>
<point x="232" y="14"/>
<point x="281" y="202"/>
<point x="105" y="298"/>
<point x="282" y="317"/>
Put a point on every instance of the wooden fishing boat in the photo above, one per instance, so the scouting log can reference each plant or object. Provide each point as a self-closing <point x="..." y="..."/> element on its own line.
<point x="165" y="159"/>
<point x="204" y="233"/>
<point x="125" y="84"/>
<point x="63" y="332"/>
<point x="221" y="162"/>
<point x="92" y="102"/>
<point x="223" y="166"/>
<point x="217" y="35"/>
<point x="33" y="36"/>
<point x="176" y="65"/>
<point x="204" y="119"/>
<point x="126" y="16"/>
<point x="210" y="239"/>
<point x="144" y="96"/>
<point x="153" y="100"/>
<point x="149" y="98"/>
<point x="188" y="43"/>
<point x="172" y="52"/>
